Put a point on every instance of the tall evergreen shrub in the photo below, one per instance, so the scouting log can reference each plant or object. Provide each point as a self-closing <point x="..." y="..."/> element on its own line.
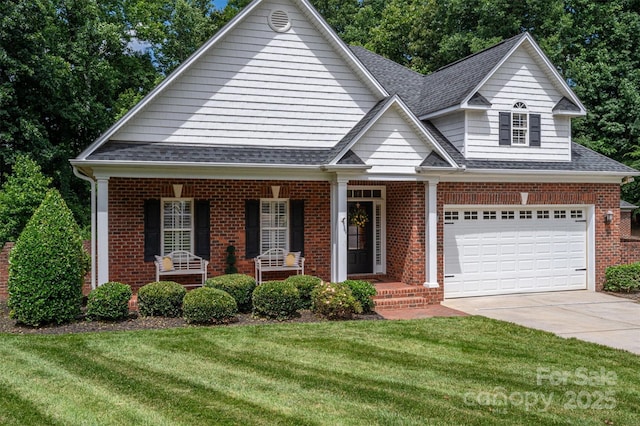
<point x="47" y="266"/>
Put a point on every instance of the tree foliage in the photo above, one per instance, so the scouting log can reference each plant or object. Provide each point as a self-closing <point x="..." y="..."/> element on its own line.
<point x="20" y="196"/>
<point x="70" y="68"/>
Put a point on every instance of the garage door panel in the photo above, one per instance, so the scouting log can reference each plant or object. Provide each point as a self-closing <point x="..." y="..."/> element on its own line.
<point x="515" y="251"/>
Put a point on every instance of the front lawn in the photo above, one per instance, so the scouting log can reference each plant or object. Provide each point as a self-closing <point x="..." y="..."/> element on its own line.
<point x="463" y="370"/>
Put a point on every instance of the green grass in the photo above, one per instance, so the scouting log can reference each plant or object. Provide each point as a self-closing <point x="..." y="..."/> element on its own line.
<point x="434" y="371"/>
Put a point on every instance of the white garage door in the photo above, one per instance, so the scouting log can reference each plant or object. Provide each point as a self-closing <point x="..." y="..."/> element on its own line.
<point x="491" y="251"/>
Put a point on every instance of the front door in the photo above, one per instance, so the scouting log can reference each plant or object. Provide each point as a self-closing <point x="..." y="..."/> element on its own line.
<point x="360" y="237"/>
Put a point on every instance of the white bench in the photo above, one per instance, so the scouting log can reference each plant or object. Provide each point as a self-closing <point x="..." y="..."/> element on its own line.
<point x="181" y="262"/>
<point x="276" y="260"/>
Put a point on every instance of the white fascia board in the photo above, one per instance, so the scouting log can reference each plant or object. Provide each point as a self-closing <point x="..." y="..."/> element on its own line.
<point x="439" y="113"/>
<point x="169" y="79"/>
<point x="134" y="169"/>
<point x="411" y="119"/>
<point x="570" y="113"/>
<point x="533" y="176"/>
<point x="527" y="37"/>
<point x="338" y="43"/>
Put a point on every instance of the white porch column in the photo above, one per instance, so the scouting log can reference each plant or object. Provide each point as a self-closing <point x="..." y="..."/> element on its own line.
<point x="431" y="241"/>
<point x="103" y="230"/>
<point x="339" y="230"/>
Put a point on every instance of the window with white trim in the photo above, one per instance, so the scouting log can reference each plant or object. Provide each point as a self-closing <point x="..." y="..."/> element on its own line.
<point x="177" y="224"/>
<point x="274" y="224"/>
<point x="519" y="124"/>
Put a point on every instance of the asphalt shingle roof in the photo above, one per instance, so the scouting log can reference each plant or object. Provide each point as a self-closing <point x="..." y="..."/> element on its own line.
<point x="444" y="88"/>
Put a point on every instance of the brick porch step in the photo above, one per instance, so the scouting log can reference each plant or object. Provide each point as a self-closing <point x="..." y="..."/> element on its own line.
<point x="401" y="303"/>
<point x="400" y="296"/>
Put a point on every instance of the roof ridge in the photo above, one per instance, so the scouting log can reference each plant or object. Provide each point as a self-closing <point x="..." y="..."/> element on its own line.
<point x="480" y="52"/>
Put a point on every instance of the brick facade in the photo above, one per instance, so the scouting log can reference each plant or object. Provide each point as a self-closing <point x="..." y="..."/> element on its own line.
<point x="227" y="223"/>
<point x="405" y="223"/>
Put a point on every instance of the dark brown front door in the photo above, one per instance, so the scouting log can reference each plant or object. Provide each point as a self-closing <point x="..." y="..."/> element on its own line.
<point x="360" y="237"/>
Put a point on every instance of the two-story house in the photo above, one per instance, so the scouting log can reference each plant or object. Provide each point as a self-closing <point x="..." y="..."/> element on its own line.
<point x="275" y="134"/>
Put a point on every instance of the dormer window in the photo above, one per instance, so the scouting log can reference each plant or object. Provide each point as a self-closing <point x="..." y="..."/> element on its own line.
<point x="519" y="124"/>
<point x="519" y="127"/>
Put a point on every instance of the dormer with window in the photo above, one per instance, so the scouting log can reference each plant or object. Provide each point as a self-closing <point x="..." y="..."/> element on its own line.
<point x="519" y="127"/>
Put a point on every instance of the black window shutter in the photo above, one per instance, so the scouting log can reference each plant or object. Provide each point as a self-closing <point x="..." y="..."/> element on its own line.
<point x="252" y="228"/>
<point x="151" y="229"/>
<point x="296" y="233"/>
<point x="534" y="129"/>
<point x="202" y="241"/>
<point x="505" y="128"/>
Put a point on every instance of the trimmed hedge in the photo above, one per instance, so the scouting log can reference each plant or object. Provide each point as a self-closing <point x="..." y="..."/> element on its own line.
<point x="109" y="302"/>
<point x="208" y="306"/>
<point x="623" y="278"/>
<point x="239" y="286"/>
<point x="363" y="291"/>
<point x="161" y="299"/>
<point x="47" y="266"/>
<point x="305" y="285"/>
<point x="276" y="299"/>
<point x="335" y="301"/>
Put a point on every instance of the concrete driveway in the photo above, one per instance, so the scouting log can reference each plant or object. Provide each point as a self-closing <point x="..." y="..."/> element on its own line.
<point x="586" y="315"/>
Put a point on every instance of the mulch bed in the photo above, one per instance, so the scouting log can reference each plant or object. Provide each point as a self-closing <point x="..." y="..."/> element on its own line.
<point x="135" y="322"/>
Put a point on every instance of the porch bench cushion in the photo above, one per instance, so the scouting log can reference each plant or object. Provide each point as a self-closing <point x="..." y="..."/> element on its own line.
<point x="181" y="262"/>
<point x="278" y="260"/>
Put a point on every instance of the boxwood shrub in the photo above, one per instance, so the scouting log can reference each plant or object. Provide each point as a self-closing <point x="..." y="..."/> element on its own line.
<point x="276" y="299"/>
<point x="363" y="291"/>
<point x="334" y="301"/>
<point x="109" y="302"/>
<point x="161" y="299"/>
<point x="305" y="285"/>
<point x="622" y="278"/>
<point x="47" y="266"/>
<point x="207" y="305"/>
<point x="239" y="286"/>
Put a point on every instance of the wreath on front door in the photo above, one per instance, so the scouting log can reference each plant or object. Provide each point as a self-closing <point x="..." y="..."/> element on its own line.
<point x="358" y="216"/>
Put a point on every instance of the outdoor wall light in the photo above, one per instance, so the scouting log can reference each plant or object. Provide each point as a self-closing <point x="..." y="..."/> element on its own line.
<point x="608" y="217"/>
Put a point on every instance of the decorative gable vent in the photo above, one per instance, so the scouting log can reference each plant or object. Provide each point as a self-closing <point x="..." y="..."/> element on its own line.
<point x="279" y="21"/>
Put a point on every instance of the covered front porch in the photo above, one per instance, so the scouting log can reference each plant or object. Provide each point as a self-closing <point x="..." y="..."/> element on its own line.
<point x="385" y="230"/>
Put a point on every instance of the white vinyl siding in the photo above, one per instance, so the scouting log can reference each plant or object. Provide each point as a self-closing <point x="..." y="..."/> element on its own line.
<point x="391" y="145"/>
<point x="274" y="225"/>
<point x="177" y="225"/>
<point x="520" y="78"/>
<point x="259" y="87"/>
<point x="452" y="127"/>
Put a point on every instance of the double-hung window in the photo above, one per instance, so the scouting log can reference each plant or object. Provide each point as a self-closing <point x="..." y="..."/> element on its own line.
<point x="519" y="124"/>
<point x="274" y="224"/>
<point x="177" y="225"/>
<point x="519" y="127"/>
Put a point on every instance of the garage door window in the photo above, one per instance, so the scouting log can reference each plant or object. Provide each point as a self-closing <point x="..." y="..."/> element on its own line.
<point x="543" y="214"/>
<point x="559" y="214"/>
<point x="526" y="214"/>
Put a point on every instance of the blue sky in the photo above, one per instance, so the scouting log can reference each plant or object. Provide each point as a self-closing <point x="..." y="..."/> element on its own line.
<point x="219" y="4"/>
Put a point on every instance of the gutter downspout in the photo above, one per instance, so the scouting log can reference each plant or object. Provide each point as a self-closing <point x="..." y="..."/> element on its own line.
<point x="93" y="224"/>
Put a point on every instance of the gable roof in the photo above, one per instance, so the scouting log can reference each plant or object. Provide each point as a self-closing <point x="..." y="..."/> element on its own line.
<point x="373" y="116"/>
<point x="306" y="9"/>
<point x="456" y="85"/>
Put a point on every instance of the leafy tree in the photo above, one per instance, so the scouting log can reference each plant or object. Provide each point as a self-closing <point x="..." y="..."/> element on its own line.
<point x="21" y="195"/>
<point x="63" y="67"/>
<point x="47" y="266"/>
